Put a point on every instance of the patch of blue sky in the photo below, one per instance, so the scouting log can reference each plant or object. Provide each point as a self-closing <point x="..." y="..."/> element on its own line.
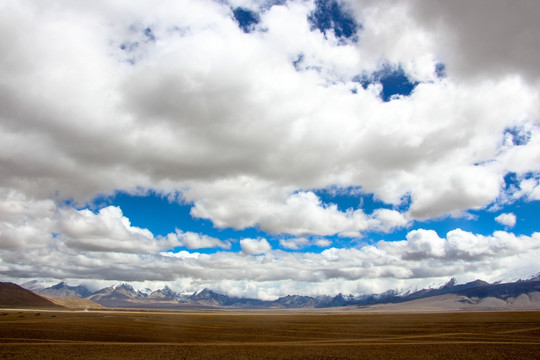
<point x="483" y="221"/>
<point x="330" y="15"/>
<point x="350" y="198"/>
<point x="511" y="182"/>
<point x="156" y="213"/>
<point x="246" y="19"/>
<point x="161" y="216"/>
<point x="394" y="82"/>
<point x="518" y="135"/>
<point x="440" y="70"/>
<point x="527" y="211"/>
<point x="479" y="222"/>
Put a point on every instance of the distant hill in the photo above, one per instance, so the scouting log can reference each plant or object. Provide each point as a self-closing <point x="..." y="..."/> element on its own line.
<point x="296" y="301"/>
<point x="454" y="302"/>
<point x="33" y="285"/>
<point x="63" y="290"/>
<point x="17" y="296"/>
<point x="77" y="303"/>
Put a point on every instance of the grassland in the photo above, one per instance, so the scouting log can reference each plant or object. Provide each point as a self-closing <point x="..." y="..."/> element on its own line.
<point x="53" y="334"/>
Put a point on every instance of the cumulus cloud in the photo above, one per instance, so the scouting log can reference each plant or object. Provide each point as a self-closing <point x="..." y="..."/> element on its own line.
<point x="506" y="219"/>
<point x="255" y="246"/>
<point x="529" y="188"/>
<point x="178" y="108"/>
<point x="108" y="230"/>
<point x="298" y="243"/>
<point x="294" y="243"/>
<point x="193" y="240"/>
<point x="25" y="221"/>
<point x="420" y="260"/>
<point x="300" y="213"/>
<point x="473" y="30"/>
<point x="322" y="242"/>
<point x="176" y="98"/>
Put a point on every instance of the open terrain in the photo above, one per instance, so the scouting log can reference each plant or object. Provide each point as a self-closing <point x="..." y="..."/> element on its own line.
<point x="46" y="334"/>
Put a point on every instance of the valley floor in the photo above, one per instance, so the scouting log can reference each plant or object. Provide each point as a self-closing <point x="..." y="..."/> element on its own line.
<point x="39" y="334"/>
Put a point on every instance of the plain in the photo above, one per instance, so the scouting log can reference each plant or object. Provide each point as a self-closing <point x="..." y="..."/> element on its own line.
<point x="347" y="334"/>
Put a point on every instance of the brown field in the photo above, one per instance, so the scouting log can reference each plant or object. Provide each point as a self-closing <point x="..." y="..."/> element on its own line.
<point x="39" y="334"/>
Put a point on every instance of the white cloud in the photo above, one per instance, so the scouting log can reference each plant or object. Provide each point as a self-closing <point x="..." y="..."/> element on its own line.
<point x="473" y="43"/>
<point x="297" y="243"/>
<point x="246" y="202"/>
<point x="193" y="240"/>
<point x="24" y="221"/>
<point x="255" y="246"/>
<point x="108" y="230"/>
<point x="294" y="243"/>
<point x="422" y="259"/>
<point x="424" y="244"/>
<point x="90" y="105"/>
<point x="322" y="242"/>
<point x="175" y="125"/>
<point x="506" y="219"/>
<point x="389" y="219"/>
<point x="530" y="188"/>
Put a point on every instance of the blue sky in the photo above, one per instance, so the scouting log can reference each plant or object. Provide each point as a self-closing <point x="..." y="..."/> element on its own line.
<point x="162" y="216"/>
<point x="264" y="148"/>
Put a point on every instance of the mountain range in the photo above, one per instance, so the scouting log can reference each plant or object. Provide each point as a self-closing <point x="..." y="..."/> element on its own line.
<point x="523" y="294"/>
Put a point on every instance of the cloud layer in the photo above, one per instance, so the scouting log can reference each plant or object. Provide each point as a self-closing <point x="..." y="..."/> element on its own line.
<point x="245" y="123"/>
<point x="104" y="246"/>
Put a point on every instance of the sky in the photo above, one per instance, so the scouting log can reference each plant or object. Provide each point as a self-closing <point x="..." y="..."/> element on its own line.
<point x="262" y="148"/>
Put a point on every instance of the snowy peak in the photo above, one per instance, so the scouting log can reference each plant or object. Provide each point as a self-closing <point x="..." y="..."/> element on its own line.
<point x="163" y="294"/>
<point x="33" y="285"/>
<point x="64" y="290"/>
<point x="209" y="297"/>
<point x="118" y="292"/>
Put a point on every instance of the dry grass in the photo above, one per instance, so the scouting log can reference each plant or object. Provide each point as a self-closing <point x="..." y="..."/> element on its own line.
<point x="283" y="335"/>
<point x="76" y="303"/>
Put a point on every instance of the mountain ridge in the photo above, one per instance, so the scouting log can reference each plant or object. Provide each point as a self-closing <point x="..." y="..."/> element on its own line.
<point x="15" y="295"/>
<point x="63" y="290"/>
<point x="124" y="295"/>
